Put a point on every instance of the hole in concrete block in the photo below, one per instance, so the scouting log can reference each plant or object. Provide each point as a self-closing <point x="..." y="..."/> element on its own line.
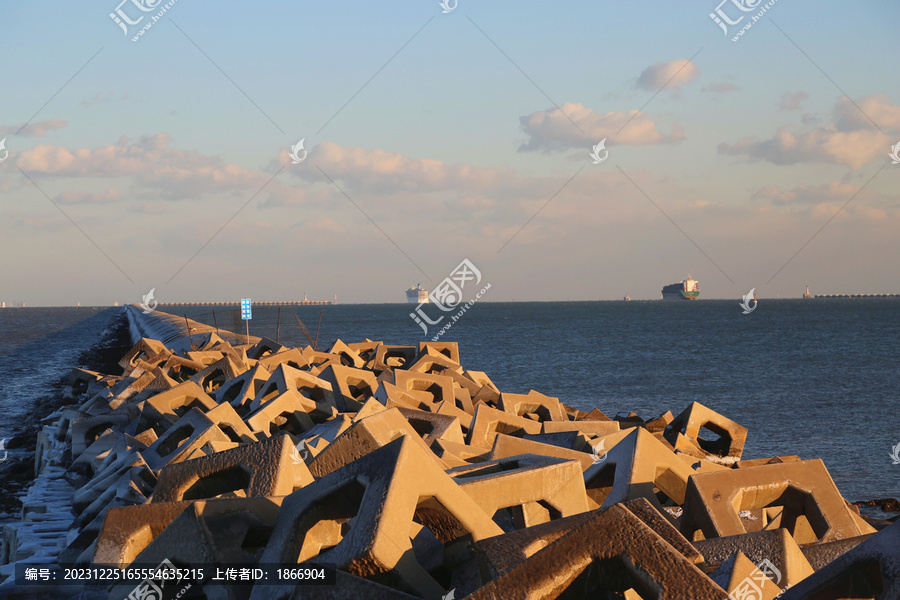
<point x="233" y="390"/>
<point x="174" y="440"/>
<point x="533" y="513"/>
<point x="194" y="403"/>
<point x="312" y="392"/>
<point x="286" y="421"/>
<point x="609" y="579"/>
<point x="714" y="439"/>
<point x="327" y="521"/>
<point x="509" y="429"/>
<point x="504" y="519"/>
<point x="231" y="433"/>
<point x="429" y="387"/>
<point x="422" y="427"/>
<point x="91" y="435"/>
<point x="181" y="373"/>
<point x="213" y="380"/>
<point x="228" y="480"/>
<point x="395" y="358"/>
<point x="359" y="389"/>
<point x="600" y="485"/>
<point x="785" y="506"/>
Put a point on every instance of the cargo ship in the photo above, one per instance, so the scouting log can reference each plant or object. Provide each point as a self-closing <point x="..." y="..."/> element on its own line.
<point x="689" y="289"/>
<point x="417" y="294"/>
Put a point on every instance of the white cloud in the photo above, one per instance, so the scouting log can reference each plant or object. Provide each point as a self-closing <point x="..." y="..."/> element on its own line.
<point x="38" y="129"/>
<point x="551" y="130"/>
<point x="850" y="139"/>
<point x="673" y="75"/>
<point x="792" y="100"/>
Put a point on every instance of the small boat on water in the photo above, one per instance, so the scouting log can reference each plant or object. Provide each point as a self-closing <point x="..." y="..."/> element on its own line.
<point x="627" y="297"/>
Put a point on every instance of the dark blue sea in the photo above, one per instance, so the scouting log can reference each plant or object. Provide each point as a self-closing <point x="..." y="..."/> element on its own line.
<point x="815" y="378"/>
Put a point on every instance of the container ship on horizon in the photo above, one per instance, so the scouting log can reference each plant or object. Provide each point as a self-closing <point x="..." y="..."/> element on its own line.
<point x="417" y="295"/>
<point x="689" y="289"/>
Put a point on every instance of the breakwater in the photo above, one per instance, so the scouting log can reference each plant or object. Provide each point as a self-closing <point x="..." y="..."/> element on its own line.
<point x="416" y="476"/>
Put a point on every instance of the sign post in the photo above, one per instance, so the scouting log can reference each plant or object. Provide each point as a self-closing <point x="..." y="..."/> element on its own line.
<point x="246" y="314"/>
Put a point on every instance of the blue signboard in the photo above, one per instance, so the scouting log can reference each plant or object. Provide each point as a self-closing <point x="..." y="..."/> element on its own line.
<point x="245" y="309"/>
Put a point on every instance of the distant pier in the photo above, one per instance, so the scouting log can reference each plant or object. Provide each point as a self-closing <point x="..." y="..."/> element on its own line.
<point x="857" y="296"/>
<point x="288" y="303"/>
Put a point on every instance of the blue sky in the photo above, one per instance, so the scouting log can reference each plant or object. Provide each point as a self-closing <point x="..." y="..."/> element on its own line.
<point x="749" y="148"/>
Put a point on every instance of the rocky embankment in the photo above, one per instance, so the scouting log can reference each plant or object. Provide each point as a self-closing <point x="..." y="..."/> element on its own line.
<point x="418" y="478"/>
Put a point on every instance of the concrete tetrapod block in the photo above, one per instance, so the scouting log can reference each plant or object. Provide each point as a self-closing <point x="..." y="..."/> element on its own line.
<point x="870" y="570"/>
<point x="181" y="369"/>
<point x="264" y="347"/>
<point x="612" y="551"/>
<point x="240" y="391"/>
<point x="351" y="387"/>
<point x="488" y="422"/>
<point x="636" y="466"/>
<point x="365" y="349"/>
<point x="534" y="488"/>
<point x="261" y="469"/>
<point x="213" y="376"/>
<point x="211" y="533"/>
<point x="165" y="408"/>
<point x="447" y="349"/>
<point x="281" y="380"/>
<point x="231" y="424"/>
<point x="364" y="515"/>
<point x="290" y="411"/>
<point x="127" y="530"/>
<point x="86" y="431"/>
<point x="348" y="356"/>
<point x="285" y="379"/>
<point x="438" y="388"/>
<point x="660" y="423"/>
<point x="80" y="381"/>
<point x="448" y="408"/>
<point x="433" y="426"/>
<point x="742" y="579"/>
<point x="545" y="407"/>
<point x="777" y="546"/>
<point x="390" y="395"/>
<point x="812" y="508"/>
<point x="594" y="415"/>
<point x="364" y="437"/>
<point x="293" y="358"/>
<point x="499" y="554"/>
<point x="319" y="360"/>
<point x="189" y="433"/>
<point x="146" y="349"/>
<point x="438" y="364"/>
<point x="481" y="378"/>
<point x="506" y="446"/>
<point x="388" y="357"/>
<point x="732" y="436"/>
